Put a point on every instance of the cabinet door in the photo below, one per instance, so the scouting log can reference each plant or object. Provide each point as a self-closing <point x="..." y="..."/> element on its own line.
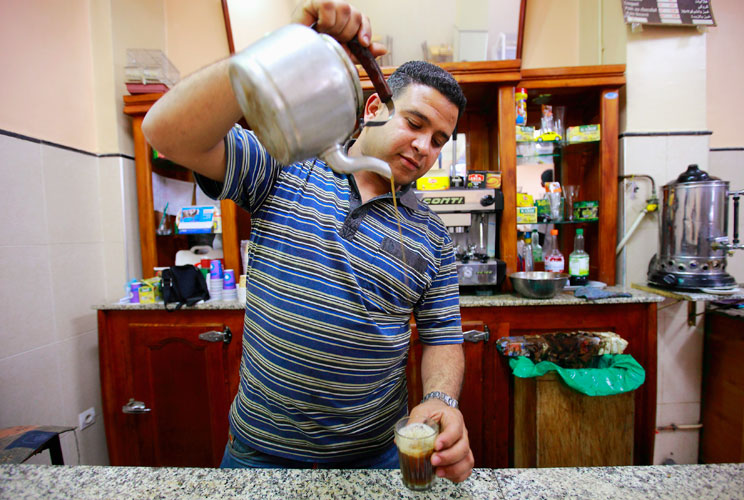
<point x="474" y="397"/>
<point x="183" y="380"/>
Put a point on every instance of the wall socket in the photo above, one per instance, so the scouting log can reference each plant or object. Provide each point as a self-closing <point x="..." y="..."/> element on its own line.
<point x="87" y="418"/>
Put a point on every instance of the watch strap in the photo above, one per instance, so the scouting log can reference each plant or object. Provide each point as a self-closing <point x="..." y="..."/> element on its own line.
<point x="449" y="401"/>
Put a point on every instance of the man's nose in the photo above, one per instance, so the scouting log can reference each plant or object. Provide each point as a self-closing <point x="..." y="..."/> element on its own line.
<point x="421" y="143"/>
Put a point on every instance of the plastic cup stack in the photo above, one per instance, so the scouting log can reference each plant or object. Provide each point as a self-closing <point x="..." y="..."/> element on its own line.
<point x="229" y="292"/>
<point x="215" y="280"/>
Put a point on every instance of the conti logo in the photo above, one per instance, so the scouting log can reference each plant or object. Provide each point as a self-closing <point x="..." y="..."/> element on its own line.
<point x="445" y="200"/>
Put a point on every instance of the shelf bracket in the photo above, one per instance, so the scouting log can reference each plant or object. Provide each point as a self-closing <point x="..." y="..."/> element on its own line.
<point x="691" y="313"/>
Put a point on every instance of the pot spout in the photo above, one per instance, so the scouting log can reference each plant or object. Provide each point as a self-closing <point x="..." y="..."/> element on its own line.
<point x="343" y="164"/>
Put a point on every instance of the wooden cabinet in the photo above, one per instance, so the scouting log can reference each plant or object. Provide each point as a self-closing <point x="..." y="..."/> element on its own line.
<point x="487" y="399"/>
<point x="186" y="385"/>
<point x="159" y="251"/>
<point x="590" y="94"/>
<point x="722" y="435"/>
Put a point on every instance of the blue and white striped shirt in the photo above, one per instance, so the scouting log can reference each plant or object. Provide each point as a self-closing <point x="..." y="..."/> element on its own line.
<point x="326" y="331"/>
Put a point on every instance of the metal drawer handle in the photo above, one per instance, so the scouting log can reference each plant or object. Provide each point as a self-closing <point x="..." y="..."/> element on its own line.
<point x="134" y="407"/>
<point x="215" y="336"/>
<point x="477" y="336"/>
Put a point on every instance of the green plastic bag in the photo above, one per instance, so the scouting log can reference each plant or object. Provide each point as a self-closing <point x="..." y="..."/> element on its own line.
<point x="614" y="374"/>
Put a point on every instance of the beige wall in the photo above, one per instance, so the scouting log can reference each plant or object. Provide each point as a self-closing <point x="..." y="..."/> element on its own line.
<point x="725" y="90"/>
<point x="70" y="230"/>
<point x="48" y="74"/>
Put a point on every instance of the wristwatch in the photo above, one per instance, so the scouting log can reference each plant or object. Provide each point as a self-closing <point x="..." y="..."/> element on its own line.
<point x="444" y="397"/>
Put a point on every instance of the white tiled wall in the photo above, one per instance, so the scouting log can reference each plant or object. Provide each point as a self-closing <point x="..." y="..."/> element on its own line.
<point x="679" y="368"/>
<point x="67" y="243"/>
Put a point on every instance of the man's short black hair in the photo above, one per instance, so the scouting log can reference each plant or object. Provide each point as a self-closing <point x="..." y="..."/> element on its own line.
<point x="425" y="73"/>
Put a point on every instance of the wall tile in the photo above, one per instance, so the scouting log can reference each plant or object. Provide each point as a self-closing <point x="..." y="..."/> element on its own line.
<point x="31" y="391"/>
<point x="680" y="358"/>
<point x="72" y="195"/>
<point x="27" y="300"/>
<point x="112" y="204"/>
<point x="684" y="150"/>
<point x="78" y="274"/>
<point x="131" y="217"/>
<point x="81" y="389"/>
<point x="681" y="445"/>
<point x="22" y="198"/>
<point x="115" y="276"/>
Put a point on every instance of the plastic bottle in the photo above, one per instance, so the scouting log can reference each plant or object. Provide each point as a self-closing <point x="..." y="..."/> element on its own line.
<point x="554" y="262"/>
<point x="537" y="250"/>
<point x="527" y="251"/>
<point x="578" y="261"/>
<point x="520" y="252"/>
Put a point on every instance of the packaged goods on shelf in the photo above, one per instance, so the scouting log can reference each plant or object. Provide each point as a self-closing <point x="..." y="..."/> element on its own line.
<point x="583" y="133"/>
<point x="527" y="215"/>
<point x="586" y="210"/>
<point x="524" y="200"/>
<point x="525" y="134"/>
<point x="433" y="183"/>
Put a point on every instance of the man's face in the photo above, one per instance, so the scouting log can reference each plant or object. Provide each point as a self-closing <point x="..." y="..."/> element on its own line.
<point x="411" y="141"/>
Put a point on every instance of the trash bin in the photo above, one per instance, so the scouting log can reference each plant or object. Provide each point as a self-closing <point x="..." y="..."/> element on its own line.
<point x="555" y="425"/>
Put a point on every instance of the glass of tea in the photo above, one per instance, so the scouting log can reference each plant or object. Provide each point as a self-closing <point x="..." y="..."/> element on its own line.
<point x="415" y="441"/>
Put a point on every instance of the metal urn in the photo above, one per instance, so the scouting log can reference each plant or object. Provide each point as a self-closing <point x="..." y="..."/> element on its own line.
<point x="693" y="233"/>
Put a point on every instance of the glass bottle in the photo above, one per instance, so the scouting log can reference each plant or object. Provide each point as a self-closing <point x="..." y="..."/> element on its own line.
<point x="520" y="252"/>
<point x="537" y="251"/>
<point x="528" y="263"/>
<point x="554" y="262"/>
<point x="578" y="261"/>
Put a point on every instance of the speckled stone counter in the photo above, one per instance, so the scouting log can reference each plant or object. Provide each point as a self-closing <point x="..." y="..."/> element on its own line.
<point x="677" y="482"/>
<point x="561" y="299"/>
<point x="498" y="300"/>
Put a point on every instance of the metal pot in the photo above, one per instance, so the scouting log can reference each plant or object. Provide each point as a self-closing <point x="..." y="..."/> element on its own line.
<point x="693" y="239"/>
<point x="300" y="93"/>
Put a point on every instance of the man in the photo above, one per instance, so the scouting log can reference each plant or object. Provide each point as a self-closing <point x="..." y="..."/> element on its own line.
<point x="330" y="290"/>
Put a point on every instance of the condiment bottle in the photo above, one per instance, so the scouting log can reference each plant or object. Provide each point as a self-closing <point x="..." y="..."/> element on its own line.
<point x="554" y="262"/>
<point x="537" y="251"/>
<point x="527" y="251"/>
<point x="578" y="261"/>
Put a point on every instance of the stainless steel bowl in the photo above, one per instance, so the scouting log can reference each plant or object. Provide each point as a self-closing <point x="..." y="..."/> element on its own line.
<point x="538" y="284"/>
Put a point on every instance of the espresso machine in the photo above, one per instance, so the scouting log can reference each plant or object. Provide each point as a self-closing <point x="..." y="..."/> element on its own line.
<point x="693" y="234"/>
<point x="472" y="217"/>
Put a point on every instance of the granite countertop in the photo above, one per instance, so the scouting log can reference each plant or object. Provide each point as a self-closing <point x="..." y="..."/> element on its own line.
<point x="736" y="293"/>
<point x="497" y="300"/>
<point x="676" y="482"/>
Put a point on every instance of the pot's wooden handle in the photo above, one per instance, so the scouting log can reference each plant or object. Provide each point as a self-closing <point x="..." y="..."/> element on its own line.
<point x="364" y="56"/>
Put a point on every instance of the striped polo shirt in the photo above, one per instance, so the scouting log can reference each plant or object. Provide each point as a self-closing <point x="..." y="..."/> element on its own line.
<point x="328" y="303"/>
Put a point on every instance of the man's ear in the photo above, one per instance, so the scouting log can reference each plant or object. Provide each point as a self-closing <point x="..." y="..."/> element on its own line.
<point x="373" y="107"/>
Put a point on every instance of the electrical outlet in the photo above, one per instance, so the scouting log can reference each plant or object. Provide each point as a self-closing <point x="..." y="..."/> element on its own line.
<point x="87" y="418"/>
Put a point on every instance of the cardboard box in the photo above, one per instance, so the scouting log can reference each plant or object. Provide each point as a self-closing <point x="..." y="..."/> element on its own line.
<point x="476" y="179"/>
<point x="586" y="210"/>
<point x="437" y="183"/>
<point x="524" y="200"/>
<point x="527" y="215"/>
<point x="543" y="209"/>
<point x="493" y="180"/>
<point x="525" y="134"/>
<point x="583" y="133"/>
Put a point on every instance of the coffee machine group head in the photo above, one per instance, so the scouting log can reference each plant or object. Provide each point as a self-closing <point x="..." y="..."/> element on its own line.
<point x="472" y="217"/>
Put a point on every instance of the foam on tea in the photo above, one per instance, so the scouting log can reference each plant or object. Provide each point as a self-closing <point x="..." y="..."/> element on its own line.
<point x="416" y="439"/>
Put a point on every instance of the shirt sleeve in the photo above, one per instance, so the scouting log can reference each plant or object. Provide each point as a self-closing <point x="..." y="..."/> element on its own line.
<point x="437" y="314"/>
<point x="250" y="172"/>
